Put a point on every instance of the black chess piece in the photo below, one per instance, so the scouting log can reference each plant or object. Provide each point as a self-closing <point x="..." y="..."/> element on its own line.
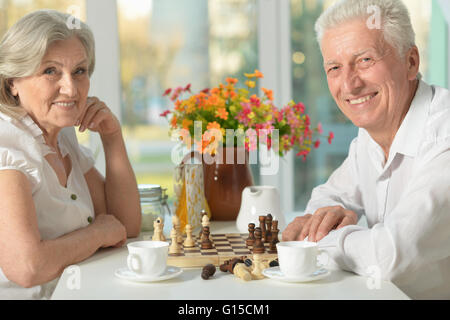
<point x="258" y="245"/>
<point x="262" y="226"/>
<point x="206" y="242"/>
<point x="268" y="235"/>
<point x="251" y="234"/>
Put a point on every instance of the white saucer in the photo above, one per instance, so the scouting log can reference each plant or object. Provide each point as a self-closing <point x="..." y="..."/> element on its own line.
<point x="127" y="274"/>
<point x="275" y="274"/>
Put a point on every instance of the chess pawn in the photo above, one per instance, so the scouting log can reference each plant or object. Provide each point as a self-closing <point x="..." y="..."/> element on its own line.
<point x="258" y="245"/>
<point x="251" y="234"/>
<point x="174" y="246"/>
<point x="206" y="242"/>
<point x="189" y="242"/>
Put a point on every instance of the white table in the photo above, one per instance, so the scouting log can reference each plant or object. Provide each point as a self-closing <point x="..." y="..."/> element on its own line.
<point x="94" y="279"/>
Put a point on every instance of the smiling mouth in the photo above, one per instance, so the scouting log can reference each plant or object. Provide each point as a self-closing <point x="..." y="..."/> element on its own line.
<point x="362" y="99"/>
<point x="65" y="104"/>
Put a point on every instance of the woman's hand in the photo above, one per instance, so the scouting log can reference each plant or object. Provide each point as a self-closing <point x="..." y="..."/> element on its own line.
<point x="111" y="231"/>
<point x="98" y="118"/>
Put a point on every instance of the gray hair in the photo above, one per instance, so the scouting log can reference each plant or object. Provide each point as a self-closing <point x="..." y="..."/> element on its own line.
<point x="25" y="44"/>
<point x="395" y="20"/>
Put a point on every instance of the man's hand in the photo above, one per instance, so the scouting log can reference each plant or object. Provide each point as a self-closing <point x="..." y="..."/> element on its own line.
<point x="293" y="230"/>
<point x="317" y="226"/>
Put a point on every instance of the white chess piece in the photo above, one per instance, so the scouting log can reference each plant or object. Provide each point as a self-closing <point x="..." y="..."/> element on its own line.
<point x="174" y="246"/>
<point x="176" y="226"/>
<point x="189" y="242"/>
<point x="257" y="267"/>
<point x="158" y="226"/>
<point x="156" y="231"/>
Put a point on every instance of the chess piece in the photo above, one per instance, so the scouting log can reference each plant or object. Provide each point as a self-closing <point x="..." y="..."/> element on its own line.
<point x="242" y="271"/>
<point x="208" y="271"/>
<point x="251" y="234"/>
<point x="176" y="226"/>
<point x="189" y="242"/>
<point x="258" y="245"/>
<point x="258" y="267"/>
<point x="158" y="234"/>
<point x="268" y="235"/>
<point x="228" y="265"/>
<point x="203" y="213"/>
<point x="206" y="242"/>
<point x="275" y="231"/>
<point x="262" y="226"/>
<point x="174" y="246"/>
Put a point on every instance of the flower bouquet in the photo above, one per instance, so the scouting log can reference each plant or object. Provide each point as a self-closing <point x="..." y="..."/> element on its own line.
<point x="227" y="116"/>
<point x="204" y="120"/>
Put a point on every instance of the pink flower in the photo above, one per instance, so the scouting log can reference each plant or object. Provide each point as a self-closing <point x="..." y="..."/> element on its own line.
<point x="330" y="137"/>
<point x="299" y="107"/>
<point x="317" y="144"/>
<point x="319" y="128"/>
<point x="167" y="92"/>
<point x="165" y="113"/>
<point x="303" y="153"/>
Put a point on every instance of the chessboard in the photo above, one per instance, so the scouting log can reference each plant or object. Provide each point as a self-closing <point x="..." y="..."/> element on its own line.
<point x="225" y="247"/>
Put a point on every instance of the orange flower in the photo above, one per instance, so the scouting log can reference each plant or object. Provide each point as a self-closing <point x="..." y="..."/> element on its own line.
<point x="231" y="80"/>
<point x="173" y="121"/>
<point x="186" y="123"/>
<point x="222" y="113"/>
<point x="268" y="93"/>
<point x="213" y="125"/>
<point x="258" y="74"/>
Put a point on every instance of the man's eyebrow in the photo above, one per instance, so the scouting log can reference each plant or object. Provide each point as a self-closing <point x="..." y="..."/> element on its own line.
<point x="357" y="54"/>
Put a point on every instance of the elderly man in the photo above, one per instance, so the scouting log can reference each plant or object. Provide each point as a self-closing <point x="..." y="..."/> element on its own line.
<point x="397" y="170"/>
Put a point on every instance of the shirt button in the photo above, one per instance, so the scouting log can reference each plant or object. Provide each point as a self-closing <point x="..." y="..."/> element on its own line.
<point x="89" y="219"/>
<point x="73" y="197"/>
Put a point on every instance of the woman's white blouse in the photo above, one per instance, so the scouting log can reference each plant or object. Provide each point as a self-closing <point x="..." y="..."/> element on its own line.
<point x="60" y="210"/>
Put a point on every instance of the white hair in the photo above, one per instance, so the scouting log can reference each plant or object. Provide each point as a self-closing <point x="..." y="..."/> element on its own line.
<point x="25" y="44"/>
<point x="395" y="20"/>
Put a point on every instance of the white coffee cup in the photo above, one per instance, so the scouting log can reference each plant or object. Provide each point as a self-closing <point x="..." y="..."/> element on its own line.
<point x="297" y="258"/>
<point x="147" y="258"/>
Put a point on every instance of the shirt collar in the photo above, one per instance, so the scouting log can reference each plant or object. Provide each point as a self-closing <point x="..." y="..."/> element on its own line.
<point x="408" y="137"/>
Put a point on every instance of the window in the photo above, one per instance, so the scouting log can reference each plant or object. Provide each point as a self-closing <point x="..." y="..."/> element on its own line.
<point x="310" y="87"/>
<point x="12" y="10"/>
<point x="170" y="43"/>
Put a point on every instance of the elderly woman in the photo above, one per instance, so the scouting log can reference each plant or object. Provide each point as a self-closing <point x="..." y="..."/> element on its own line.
<point x="397" y="170"/>
<point x="56" y="209"/>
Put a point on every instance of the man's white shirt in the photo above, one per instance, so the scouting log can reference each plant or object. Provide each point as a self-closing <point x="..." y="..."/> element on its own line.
<point x="406" y="201"/>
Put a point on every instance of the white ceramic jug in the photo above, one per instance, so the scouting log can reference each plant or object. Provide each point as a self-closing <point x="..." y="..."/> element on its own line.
<point x="259" y="201"/>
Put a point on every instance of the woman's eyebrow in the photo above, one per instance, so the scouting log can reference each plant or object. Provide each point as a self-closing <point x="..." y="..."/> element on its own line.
<point x="60" y="64"/>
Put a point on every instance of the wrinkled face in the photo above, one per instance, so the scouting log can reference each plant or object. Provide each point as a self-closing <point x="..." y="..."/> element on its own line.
<point x="55" y="96"/>
<point x="368" y="80"/>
